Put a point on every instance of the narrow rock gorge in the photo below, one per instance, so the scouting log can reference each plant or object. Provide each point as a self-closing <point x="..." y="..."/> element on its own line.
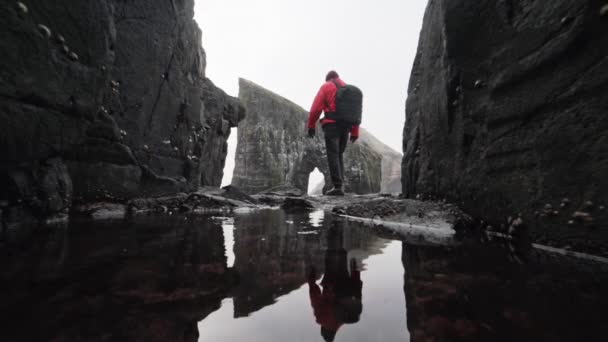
<point x="105" y="100"/>
<point x="273" y="149"/>
<point x="506" y="114"/>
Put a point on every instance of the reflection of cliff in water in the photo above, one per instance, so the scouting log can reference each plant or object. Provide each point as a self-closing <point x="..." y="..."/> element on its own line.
<point x="274" y="250"/>
<point x="487" y="293"/>
<point x="149" y="279"/>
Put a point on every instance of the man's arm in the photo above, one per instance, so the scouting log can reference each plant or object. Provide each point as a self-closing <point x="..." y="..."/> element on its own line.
<point x="317" y="108"/>
<point x="354" y="133"/>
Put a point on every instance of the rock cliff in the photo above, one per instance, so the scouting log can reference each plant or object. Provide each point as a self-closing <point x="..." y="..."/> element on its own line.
<point x="105" y="100"/>
<point x="506" y="112"/>
<point x="273" y="148"/>
<point x="391" y="163"/>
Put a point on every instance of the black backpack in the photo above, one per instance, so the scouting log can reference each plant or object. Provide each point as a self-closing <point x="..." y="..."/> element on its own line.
<point x="349" y="105"/>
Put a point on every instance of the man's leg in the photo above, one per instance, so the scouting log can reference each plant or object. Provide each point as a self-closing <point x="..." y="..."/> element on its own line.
<point x="342" y="143"/>
<point x="332" y="144"/>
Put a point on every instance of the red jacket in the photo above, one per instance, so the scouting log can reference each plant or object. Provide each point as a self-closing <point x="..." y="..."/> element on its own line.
<point x="325" y="101"/>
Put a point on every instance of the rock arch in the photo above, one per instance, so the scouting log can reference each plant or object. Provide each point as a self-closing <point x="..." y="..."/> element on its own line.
<point x="273" y="149"/>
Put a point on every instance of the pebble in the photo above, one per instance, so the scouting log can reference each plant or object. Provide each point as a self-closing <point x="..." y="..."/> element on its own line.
<point x="44" y="31"/>
<point x="65" y="49"/>
<point x="146" y="147"/>
<point x="582" y="216"/>
<point x="565" y="201"/>
<point x="604" y="10"/>
<point x="166" y="142"/>
<point x="548" y="206"/>
<point x="478" y="84"/>
<point x="21" y="7"/>
<point x="73" y="56"/>
<point x="602" y="208"/>
<point x="566" y="20"/>
<point x="60" y="39"/>
<point x="176" y="149"/>
<point x="571" y="222"/>
<point x="588" y="205"/>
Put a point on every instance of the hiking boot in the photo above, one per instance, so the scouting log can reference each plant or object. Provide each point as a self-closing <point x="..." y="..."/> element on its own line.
<point x="335" y="192"/>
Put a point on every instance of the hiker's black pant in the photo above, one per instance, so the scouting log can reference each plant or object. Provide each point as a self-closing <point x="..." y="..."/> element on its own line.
<point x="336" y="138"/>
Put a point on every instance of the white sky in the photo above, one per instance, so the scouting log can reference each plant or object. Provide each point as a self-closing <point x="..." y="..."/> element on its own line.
<point x="288" y="46"/>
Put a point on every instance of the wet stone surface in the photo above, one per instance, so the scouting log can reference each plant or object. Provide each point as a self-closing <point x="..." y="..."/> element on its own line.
<point x="272" y="275"/>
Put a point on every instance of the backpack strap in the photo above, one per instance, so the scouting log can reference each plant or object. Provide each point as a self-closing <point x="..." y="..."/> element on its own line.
<point x="336" y="83"/>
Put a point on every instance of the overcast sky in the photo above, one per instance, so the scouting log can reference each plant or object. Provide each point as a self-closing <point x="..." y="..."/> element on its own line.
<point x="288" y="46"/>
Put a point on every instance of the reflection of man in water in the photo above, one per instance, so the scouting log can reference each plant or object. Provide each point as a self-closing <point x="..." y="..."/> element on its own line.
<point x="340" y="300"/>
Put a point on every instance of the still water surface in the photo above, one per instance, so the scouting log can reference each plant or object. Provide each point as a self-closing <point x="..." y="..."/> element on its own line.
<point x="275" y="276"/>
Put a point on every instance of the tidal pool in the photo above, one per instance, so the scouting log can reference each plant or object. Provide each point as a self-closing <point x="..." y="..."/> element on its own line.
<point x="271" y="275"/>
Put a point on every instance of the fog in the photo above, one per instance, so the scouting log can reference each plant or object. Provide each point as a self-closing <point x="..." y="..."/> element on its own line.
<point x="289" y="46"/>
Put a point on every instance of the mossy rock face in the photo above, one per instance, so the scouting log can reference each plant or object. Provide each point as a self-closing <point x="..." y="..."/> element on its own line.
<point x="273" y="148"/>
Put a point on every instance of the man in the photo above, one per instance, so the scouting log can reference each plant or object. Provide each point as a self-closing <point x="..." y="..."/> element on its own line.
<point x="336" y="131"/>
<point x="339" y="302"/>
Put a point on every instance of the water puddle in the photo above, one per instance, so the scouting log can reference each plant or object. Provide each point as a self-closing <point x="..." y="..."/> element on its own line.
<point x="268" y="275"/>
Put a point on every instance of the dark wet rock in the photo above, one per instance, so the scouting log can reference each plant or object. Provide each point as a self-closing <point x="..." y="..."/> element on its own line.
<point x="21" y="7"/>
<point x="45" y="188"/>
<point x="294" y="204"/>
<point x="101" y="210"/>
<point x="400" y="211"/>
<point x="270" y="200"/>
<point x="339" y="211"/>
<point x="235" y="193"/>
<point x="96" y="114"/>
<point x="273" y="149"/>
<point x="206" y="199"/>
<point x="44" y="31"/>
<point x="73" y="56"/>
<point x="447" y="295"/>
<point x="283" y="190"/>
<point x="530" y="110"/>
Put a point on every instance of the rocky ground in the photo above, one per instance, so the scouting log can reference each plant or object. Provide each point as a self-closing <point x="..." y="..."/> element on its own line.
<point x="429" y="220"/>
